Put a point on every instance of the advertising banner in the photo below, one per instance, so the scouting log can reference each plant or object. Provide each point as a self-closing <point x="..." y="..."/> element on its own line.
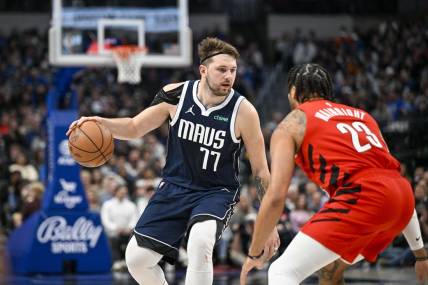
<point x="155" y="20"/>
<point x="63" y="237"/>
<point x="64" y="188"/>
<point x="60" y="243"/>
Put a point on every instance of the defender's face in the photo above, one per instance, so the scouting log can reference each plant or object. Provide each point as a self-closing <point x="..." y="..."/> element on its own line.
<point x="220" y="74"/>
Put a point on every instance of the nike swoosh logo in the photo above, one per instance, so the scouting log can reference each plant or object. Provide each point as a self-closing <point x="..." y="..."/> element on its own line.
<point x="418" y="238"/>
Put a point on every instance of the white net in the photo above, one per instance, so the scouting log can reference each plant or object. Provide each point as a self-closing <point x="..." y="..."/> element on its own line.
<point x="128" y="63"/>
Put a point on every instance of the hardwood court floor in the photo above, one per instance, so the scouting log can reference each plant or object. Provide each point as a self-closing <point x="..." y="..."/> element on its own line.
<point x="360" y="276"/>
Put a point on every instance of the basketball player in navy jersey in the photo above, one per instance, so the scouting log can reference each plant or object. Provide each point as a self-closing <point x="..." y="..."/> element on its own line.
<point x="208" y="123"/>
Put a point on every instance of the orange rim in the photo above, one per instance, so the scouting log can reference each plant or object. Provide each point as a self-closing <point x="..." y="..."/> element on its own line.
<point x="125" y="51"/>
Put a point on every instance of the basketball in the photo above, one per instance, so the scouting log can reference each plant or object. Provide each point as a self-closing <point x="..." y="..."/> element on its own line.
<point x="91" y="144"/>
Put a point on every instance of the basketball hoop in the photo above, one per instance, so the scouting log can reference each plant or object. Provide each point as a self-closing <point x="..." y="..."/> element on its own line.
<point x="128" y="62"/>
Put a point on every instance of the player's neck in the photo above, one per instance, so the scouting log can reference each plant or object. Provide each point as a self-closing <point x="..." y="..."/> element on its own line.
<point x="206" y="97"/>
<point x="317" y="98"/>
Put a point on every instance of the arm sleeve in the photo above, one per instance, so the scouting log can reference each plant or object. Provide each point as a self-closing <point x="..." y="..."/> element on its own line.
<point x="171" y="97"/>
<point x="412" y="233"/>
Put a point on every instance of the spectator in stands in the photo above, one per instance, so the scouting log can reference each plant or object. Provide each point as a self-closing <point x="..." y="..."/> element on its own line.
<point x="28" y="171"/>
<point x="32" y="199"/>
<point x="316" y="201"/>
<point x="10" y="197"/>
<point x="86" y="179"/>
<point x="134" y="163"/>
<point x="300" y="215"/>
<point x="304" y="51"/>
<point x="292" y="197"/>
<point x="109" y="185"/>
<point x="119" y="216"/>
<point x="241" y="239"/>
<point x="144" y="190"/>
<point x="93" y="198"/>
<point x="234" y="235"/>
<point x="97" y="177"/>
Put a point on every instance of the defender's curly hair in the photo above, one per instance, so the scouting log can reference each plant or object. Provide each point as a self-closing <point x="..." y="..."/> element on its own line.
<point x="311" y="81"/>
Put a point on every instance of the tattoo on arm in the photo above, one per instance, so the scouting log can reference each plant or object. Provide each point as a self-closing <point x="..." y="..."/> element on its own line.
<point x="261" y="187"/>
<point x="295" y="124"/>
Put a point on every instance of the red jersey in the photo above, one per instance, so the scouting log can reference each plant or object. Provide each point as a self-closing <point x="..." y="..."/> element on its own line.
<point x="339" y="142"/>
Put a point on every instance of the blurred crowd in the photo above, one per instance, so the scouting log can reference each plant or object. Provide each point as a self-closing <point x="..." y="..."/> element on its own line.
<point x="383" y="70"/>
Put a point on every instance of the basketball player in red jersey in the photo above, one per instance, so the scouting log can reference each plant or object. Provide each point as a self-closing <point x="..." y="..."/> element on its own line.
<point x="342" y="150"/>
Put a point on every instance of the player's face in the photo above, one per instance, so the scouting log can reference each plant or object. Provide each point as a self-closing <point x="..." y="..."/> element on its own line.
<point x="220" y="74"/>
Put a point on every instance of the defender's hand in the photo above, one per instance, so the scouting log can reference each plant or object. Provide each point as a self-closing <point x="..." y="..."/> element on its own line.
<point x="421" y="268"/>
<point x="80" y="121"/>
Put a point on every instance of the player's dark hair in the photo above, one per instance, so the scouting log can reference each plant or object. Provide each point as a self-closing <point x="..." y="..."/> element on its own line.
<point x="210" y="47"/>
<point x="311" y="81"/>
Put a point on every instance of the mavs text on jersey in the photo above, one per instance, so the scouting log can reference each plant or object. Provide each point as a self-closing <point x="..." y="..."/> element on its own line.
<point x="203" y="150"/>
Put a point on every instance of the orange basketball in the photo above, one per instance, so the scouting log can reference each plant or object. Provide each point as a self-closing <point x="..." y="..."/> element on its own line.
<point x="91" y="144"/>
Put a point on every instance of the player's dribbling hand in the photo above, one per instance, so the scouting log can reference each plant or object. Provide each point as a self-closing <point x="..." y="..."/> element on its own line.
<point x="80" y="121"/>
<point x="421" y="268"/>
<point x="250" y="264"/>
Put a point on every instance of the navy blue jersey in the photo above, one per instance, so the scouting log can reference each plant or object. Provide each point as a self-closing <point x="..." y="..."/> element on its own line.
<point x="203" y="151"/>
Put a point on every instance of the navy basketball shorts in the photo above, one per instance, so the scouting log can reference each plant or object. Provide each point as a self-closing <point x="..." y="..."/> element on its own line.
<point x="173" y="210"/>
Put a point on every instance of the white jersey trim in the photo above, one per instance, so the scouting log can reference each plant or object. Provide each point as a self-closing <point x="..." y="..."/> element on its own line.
<point x="159" y="241"/>
<point x="207" y="112"/>
<point x="233" y="120"/>
<point x="234" y="169"/>
<point x="180" y="104"/>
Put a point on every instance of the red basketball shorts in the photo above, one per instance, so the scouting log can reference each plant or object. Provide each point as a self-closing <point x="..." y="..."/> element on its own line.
<point x="365" y="216"/>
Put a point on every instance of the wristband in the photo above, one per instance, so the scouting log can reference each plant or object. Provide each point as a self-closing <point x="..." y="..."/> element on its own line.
<point x="256" y="256"/>
<point x="422" y="258"/>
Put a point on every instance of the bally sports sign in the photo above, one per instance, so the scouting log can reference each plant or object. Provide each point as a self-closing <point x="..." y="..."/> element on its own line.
<point x="66" y="238"/>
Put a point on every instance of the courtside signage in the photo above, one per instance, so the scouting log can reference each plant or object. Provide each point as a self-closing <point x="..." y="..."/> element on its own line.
<point x="65" y="237"/>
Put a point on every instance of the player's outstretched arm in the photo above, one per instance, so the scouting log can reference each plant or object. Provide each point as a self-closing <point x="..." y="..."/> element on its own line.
<point x="285" y="142"/>
<point x="135" y="127"/>
<point x="248" y="124"/>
